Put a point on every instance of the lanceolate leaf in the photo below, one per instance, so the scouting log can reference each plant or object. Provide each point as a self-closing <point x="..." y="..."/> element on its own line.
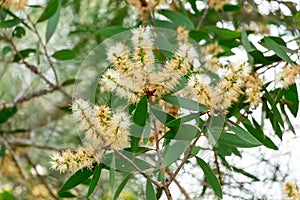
<point x="162" y="116"/>
<point x="279" y="51"/>
<point x="211" y="177"/>
<point x="291" y="95"/>
<point x="243" y="134"/>
<point x="7" y="113"/>
<point x="64" y="54"/>
<point x="150" y="193"/>
<point x="52" y="23"/>
<point x="185" y="103"/>
<point x="121" y="186"/>
<point x="95" y="179"/>
<point x="49" y="11"/>
<point x="9" y="23"/>
<point x="141" y="112"/>
<point x="178" y="18"/>
<point x="79" y="177"/>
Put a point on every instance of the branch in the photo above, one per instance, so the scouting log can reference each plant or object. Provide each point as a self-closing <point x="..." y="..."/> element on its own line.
<point x="202" y="19"/>
<point x="15" y="157"/>
<point x="183" y="191"/>
<point x="45" y="49"/>
<point x="23" y="142"/>
<point x="218" y="168"/>
<point x="40" y="177"/>
<point x="186" y="157"/>
<point x="138" y="169"/>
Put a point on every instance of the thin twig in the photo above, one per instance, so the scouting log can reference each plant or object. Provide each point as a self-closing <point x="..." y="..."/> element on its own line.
<point x="45" y="49"/>
<point x="30" y="143"/>
<point x="218" y="167"/>
<point x="186" y="157"/>
<point x="182" y="190"/>
<point x="202" y="19"/>
<point x="15" y="157"/>
<point x="40" y="177"/>
<point x="139" y="170"/>
<point x="34" y="69"/>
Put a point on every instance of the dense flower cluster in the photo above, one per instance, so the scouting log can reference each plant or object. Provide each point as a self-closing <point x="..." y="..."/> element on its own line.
<point x="292" y="191"/>
<point x="228" y="89"/>
<point x="135" y="74"/>
<point x="288" y="75"/>
<point x="15" y="4"/>
<point x="103" y="130"/>
<point x="217" y="4"/>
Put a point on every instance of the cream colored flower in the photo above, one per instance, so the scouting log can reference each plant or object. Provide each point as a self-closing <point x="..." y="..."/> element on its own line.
<point x="217" y="4"/>
<point x="288" y="76"/>
<point x="15" y="4"/>
<point x="253" y="86"/>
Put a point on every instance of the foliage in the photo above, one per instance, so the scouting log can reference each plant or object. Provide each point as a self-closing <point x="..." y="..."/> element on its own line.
<point x="166" y="82"/>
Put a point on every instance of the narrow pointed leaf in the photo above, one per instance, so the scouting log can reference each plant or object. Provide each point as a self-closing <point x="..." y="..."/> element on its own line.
<point x="211" y="177"/>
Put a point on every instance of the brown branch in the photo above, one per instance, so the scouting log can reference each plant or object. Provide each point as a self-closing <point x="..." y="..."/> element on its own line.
<point x="34" y="69"/>
<point x="45" y="49"/>
<point x="30" y="143"/>
<point x="40" y="177"/>
<point x="202" y="19"/>
<point x="182" y="190"/>
<point x="186" y="157"/>
<point x="15" y="158"/>
<point x="218" y="168"/>
<point x="139" y="170"/>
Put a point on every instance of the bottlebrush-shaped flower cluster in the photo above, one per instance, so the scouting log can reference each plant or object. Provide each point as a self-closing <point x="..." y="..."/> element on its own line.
<point x="134" y="72"/>
<point x="103" y="130"/>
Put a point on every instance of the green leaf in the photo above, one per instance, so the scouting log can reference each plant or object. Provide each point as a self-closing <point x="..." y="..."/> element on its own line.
<point x="69" y="82"/>
<point x="181" y="120"/>
<point x="121" y="186"/>
<point x="6" y="50"/>
<point x="25" y="53"/>
<point x="66" y="194"/>
<point x="185" y="103"/>
<point x="183" y="132"/>
<point x="241" y="171"/>
<point x="159" y="192"/>
<point x="162" y="116"/>
<point x="79" y="177"/>
<point x="2" y="151"/>
<point x="291" y="95"/>
<point x="112" y="173"/>
<point x="178" y="18"/>
<point x="173" y="151"/>
<point x="141" y="112"/>
<point x="287" y="119"/>
<point x="9" y="23"/>
<point x="111" y="31"/>
<point x="223" y="33"/>
<point x="5" y="195"/>
<point x="150" y="193"/>
<point x="234" y="140"/>
<point x="52" y="24"/>
<point x="247" y="46"/>
<point x="276" y="116"/>
<point x="64" y="54"/>
<point x="199" y="35"/>
<point x="210" y="177"/>
<point x="95" y="179"/>
<point x="278" y="49"/>
<point x="258" y="133"/>
<point x="19" y="32"/>
<point x="243" y="134"/>
<point x="259" y="58"/>
<point x="7" y="113"/>
<point x="49" y="11"/>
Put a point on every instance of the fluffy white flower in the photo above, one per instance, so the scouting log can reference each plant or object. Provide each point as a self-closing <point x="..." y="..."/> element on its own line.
<point x="122" y="120"/>
<point x="116" y="51"/>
